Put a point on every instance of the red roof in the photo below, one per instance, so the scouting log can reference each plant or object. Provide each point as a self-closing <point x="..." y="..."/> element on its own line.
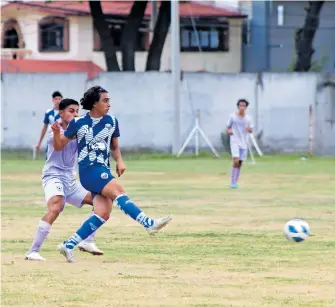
<point x="122" y="8"/>
<point x="46" y="66"/>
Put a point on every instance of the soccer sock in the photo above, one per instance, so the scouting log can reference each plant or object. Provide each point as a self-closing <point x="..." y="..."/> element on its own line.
<point x="42" y="232"/>
<point x="233" y="175"/>
<point x="237" y="174"/>
<point x="129" y="208"/>
<point x="88" y="227"/>
<point x="91" y="237"/>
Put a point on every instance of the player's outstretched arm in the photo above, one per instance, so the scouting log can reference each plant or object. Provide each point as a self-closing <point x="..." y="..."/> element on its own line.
<point x="59" y="141"/>
<point x="43" y="131"/>
<point x="116" y="154"/>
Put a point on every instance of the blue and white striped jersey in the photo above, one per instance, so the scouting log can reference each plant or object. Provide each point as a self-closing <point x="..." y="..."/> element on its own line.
<point x="94" y="137"/>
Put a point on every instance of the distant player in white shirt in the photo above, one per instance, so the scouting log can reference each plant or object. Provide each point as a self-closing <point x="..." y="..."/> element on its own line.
<point x="50" y="116"/>
<point x="60" y="186"/>
<point x="238" y="126"/>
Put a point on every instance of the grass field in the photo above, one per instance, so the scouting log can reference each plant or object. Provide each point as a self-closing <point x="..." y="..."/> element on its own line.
<point x="223" y="248"/>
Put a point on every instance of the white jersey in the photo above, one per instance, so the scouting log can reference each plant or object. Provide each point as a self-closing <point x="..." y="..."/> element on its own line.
<point x="238" y="125"/>
<point x="59" y="174"/>
<point x="60" y="163"/>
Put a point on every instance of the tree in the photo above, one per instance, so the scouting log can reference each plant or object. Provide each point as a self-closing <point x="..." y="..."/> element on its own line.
<point x="305" y="35"/>
<point x="106" y="39"/>
<point x="160" y="33"/>
<point x="130" y="34"/>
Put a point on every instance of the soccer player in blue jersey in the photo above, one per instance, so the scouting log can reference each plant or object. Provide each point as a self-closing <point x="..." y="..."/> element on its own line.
<point x="50" y="116"/>
<point x="60" y="185"/>
<point x="97" y="135"/>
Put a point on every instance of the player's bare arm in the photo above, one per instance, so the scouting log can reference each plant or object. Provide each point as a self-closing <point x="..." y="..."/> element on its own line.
<point x="43" y="131"/>
<point x="116" y="154"/>
<point x="229" y="126"/>
<point x="59" y="141"/>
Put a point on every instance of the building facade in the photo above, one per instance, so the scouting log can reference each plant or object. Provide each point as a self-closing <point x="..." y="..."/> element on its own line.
<point x="210" y="37"/>
<point x="269" y="36"/>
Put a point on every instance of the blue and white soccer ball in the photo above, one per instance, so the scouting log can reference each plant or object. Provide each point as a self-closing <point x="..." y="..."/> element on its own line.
<point x="297" y="230"/>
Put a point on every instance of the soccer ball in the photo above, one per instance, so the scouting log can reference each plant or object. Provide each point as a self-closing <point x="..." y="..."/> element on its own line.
<point x="297" y="230"/>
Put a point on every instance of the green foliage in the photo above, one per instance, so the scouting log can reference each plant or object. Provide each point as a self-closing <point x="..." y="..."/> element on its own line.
<point x="316" y="65"/>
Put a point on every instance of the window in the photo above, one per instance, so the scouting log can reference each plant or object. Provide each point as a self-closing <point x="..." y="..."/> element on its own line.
<point x="11" y="39"/>
<point x="115" y="29"/>
<point x="205" y="37"/>
<point x="11" y="35"/>
<point x="280" y="15"/>
<point x="53" y="34"/>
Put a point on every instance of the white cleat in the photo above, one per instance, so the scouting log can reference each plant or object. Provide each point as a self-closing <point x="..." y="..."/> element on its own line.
<point x="159" y="224"/>
<point x="66" y="252"/>
<point x="33" y="256"/>
<point x="90" y="247"/>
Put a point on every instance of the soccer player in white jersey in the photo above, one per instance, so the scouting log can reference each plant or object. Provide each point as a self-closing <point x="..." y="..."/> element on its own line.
<point x="60" y="185"/>
<point x="97" y="135"/>
<point x="50" y="116"/>
<point x="238" y="126"/>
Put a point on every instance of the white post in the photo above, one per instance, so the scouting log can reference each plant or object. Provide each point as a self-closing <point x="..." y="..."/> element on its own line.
<point x="34" y="153"/>
<point x="195" y="132"/>
<point x="197" y="124"/>
<point x="310" y="131"/>
<point x="175" y="60"/>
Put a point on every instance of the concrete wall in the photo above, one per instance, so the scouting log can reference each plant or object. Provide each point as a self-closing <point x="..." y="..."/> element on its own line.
<point x="24" y="100"/>
<point x="144" y="106"/>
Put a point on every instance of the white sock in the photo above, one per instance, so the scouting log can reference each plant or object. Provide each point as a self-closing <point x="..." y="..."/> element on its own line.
<point x="42" y="232"/>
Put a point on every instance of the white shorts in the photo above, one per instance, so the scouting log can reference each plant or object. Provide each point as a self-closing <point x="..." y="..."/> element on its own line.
<point x="238" y="152"/>
<point x="54" y="186"/>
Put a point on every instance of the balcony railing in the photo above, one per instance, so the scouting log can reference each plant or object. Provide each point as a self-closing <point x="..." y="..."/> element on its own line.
<point x="15" y="54"/>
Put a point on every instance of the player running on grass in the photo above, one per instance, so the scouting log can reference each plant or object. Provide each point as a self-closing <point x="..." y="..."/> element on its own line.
<point x="238" y="126"/>
<point x="60" y="185"/>
<point x="97" y="134"/>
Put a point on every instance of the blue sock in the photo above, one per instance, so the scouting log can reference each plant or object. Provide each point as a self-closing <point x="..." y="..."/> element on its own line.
<point x="88" y="227"/>
<point x="129" y="208"/>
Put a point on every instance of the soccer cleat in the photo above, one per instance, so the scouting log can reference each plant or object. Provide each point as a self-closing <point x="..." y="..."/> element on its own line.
<point x="234" y="186"/>
<point x="66" y="252"/>
<point x="90" y="247"/>
<point x="159" y="224"/>
<point x="33" y="256"/>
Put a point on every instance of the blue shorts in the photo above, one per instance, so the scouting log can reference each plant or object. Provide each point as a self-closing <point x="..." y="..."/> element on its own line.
<point x="94" y="178"/>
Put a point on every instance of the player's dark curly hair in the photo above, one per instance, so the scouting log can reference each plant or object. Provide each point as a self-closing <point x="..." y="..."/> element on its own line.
<point x="67" y="102"/>
<point x="91" y="97"/>
<point x="242" y="100"/>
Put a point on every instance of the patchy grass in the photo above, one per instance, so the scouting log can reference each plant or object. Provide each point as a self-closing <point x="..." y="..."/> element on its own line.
<point x="223" y="248"/>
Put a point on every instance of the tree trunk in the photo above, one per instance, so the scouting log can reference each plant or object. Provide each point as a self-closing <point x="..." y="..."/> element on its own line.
<point x="106" y="39"/>
<point x="305" y="35"/>
<point x="160" y="33"/>
<point x="130" y="35"/>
